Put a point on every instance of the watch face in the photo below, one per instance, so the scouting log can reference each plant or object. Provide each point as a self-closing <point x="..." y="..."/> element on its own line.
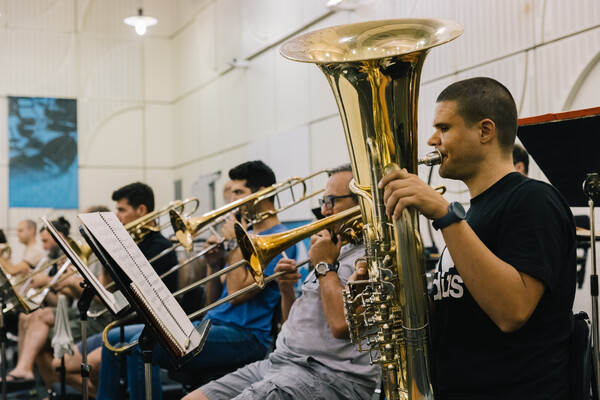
<point x="459" y="210"/>
<point x="321" y="268"/>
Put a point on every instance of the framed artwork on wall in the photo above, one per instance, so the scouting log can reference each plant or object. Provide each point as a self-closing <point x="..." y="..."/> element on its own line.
<point x="43" y="167"/>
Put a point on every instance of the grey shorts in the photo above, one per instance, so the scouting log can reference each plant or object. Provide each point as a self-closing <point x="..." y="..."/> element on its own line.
<point x="277" y="378"/>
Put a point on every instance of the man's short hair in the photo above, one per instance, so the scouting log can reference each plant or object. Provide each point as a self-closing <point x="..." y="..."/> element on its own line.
<point x="521" y="155"/>
<point x="481" y="98"/>
<point x="136" y="193"/>
<point x="2" y="237"/>
<point x="93" y="209"/>
<point x="340" y="168"/>
<point x="257" y="174"/>
<point x="60" y="224"/>
<point x="343" y="168"/>
<point x="30" y="224"/>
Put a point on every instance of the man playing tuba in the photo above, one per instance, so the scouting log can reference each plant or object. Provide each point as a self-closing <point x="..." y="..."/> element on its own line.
<point x="504" y="286"/>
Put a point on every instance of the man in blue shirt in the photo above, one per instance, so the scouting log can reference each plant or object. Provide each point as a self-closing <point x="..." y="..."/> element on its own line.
<point x="240" y="328"/>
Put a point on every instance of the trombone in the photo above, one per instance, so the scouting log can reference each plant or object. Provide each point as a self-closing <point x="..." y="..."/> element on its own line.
<point x="138" y="229"/>
<point x="146" y="224"/>
<point x="258" y="252"/>
<point x="187" y="228"/>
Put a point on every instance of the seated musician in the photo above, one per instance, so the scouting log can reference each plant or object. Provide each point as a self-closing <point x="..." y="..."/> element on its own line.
<point x="26" y="233"/>
<point x="132" y="202"/>
<point x="313" y="354"/>
<point x="504" y="286"/>
<point x="240" y="328"/>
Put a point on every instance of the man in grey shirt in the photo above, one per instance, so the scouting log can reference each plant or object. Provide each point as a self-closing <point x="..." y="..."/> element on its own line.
<point x="313" y="358"/>
<point x="33" y="254"/>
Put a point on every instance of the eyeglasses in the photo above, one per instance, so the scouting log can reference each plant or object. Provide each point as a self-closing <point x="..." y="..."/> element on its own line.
<point x="329" y="201"/>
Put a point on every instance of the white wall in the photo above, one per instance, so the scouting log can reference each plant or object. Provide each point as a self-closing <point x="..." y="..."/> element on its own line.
<point x="169" y="105"/>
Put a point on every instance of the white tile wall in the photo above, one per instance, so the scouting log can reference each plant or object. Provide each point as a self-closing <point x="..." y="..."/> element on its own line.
<point x="169" y="106"/>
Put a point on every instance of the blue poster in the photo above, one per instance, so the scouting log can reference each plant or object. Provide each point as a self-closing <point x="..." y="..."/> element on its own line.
<point x="42" y="135"/>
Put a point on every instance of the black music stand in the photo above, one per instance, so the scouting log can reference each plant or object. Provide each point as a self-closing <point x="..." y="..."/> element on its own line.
<point x="565" y="147"/>
<point x="91" y="287"/>
<point x="7" y="292"/>
<point x="151" y="333"/>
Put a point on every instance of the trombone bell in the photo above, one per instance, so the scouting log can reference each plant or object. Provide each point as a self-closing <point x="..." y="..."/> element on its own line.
<point x="182" y="232"/>
<point x="259" y="250"/>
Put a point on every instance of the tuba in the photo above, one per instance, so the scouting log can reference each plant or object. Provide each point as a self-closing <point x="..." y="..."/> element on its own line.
<point x="374" y="70"/>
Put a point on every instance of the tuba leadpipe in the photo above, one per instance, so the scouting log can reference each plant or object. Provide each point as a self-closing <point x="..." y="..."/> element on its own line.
<point x="432" y="158"/>
<point x="187" y="228"/>
<point x="374" y="70"/>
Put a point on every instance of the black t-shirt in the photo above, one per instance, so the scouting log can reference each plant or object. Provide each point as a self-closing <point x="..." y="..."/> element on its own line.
<point x="529" y="225"/>
<point x="153" y="244"/>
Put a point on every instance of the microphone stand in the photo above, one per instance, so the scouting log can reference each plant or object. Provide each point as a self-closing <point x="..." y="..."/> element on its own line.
<point x="591" y="187"/>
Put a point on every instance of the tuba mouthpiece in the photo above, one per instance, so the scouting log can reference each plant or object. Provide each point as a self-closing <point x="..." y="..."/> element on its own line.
<point x="432" y="158"/>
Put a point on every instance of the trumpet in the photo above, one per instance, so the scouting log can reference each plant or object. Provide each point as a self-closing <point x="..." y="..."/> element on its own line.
<point x="187" y="228"/>
<point x="258" y="252"/>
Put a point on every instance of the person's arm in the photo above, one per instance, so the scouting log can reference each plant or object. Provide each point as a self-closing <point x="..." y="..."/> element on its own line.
<point x="20" y="268"/>
<point x="506" y="295"/>
<point x="239" y="278"/>
<point x="215" y="260"/>
<point x="322" y="249"/>
<point x="70" y="285"/>
<point x="286" y="284"/>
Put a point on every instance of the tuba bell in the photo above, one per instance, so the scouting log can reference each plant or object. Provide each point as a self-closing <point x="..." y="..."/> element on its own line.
<point x="374" y="70"/>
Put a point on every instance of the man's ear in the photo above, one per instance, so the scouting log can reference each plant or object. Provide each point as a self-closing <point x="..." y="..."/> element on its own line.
<point x="142" y="209"/>
<point x="487" y="130"/>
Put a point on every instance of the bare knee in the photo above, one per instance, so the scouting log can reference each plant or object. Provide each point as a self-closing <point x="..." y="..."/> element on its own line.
<point x="72" y="363"/>
<point x="44" y="316"/>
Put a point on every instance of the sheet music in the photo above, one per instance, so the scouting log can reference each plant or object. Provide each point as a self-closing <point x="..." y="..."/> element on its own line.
<point x="115" y="301"/>
<point x="116" y="241"/>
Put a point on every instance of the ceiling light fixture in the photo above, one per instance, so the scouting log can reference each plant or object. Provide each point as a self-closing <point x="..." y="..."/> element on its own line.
<point x="140" y="22"/>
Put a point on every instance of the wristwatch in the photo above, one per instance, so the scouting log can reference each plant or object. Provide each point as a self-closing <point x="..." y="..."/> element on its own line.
<point x="231" y="244"/>
<point x="456" y="213"/>
<point x="322" y="268"/>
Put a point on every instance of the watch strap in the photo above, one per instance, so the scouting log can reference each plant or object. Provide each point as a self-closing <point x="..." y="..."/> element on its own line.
<point x="456" y="213"/>
<point x="330" y="267"/>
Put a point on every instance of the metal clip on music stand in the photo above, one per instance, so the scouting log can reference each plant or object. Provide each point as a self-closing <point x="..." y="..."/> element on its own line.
<point x="565" y="147"/>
